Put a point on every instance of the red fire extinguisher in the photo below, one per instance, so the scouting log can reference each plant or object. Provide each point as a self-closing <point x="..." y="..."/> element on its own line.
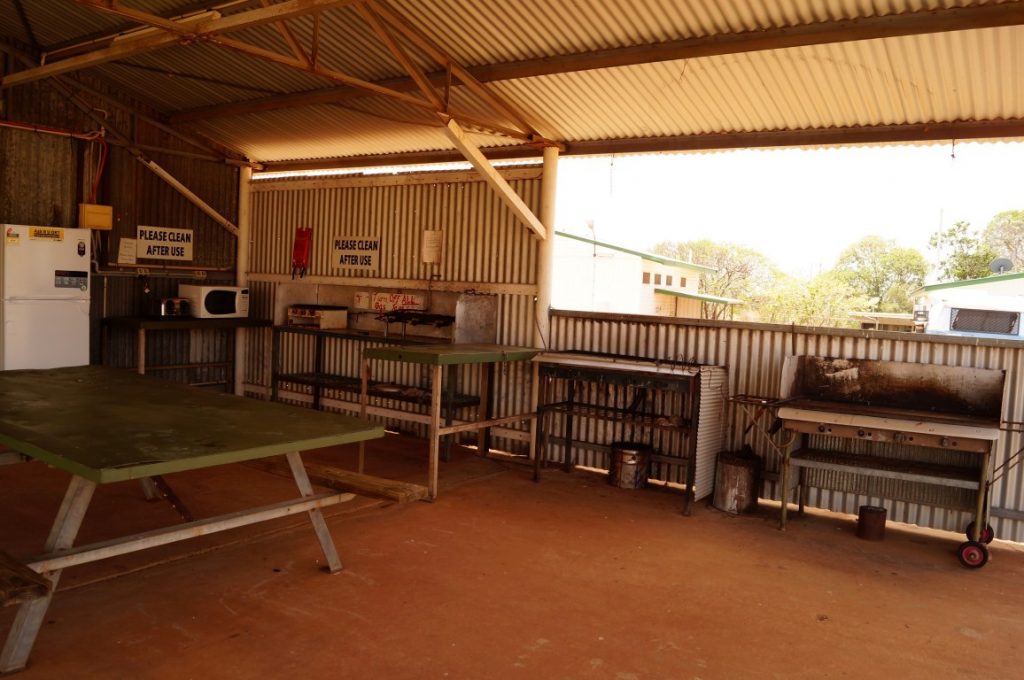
<point x="300" y="251"/>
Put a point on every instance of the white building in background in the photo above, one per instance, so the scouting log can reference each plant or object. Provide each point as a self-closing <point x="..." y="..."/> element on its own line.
<point x="986" y="307"/>
<point x="594" y="276"/>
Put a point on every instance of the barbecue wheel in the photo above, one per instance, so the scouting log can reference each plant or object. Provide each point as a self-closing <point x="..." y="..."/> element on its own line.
<point x="986" y="536"/>
<point x="972" y="554"/>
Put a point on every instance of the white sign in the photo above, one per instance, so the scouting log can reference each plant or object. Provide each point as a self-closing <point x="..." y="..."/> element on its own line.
<point x="356" y="252"/>
<point x="160" y="243"/>
<point x="126" y="251"/>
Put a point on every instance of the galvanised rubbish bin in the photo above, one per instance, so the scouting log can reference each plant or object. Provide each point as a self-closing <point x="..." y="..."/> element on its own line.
<point x="630" y="465"/>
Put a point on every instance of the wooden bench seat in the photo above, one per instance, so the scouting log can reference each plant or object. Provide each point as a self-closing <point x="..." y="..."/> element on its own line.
<point x="20" y="584"/>
<point x="353" y="482"/>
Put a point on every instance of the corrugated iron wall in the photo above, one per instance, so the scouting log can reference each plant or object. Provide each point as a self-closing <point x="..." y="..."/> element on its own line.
<point x="753" y="354"/>
<point x="39" y="181"/>
<point x="485" y="249"/>
<point x="44" y="177"/>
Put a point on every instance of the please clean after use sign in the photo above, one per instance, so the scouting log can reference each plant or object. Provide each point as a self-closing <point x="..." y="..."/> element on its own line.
<point x="356" y="252"/>
<point x="163" y="243"/>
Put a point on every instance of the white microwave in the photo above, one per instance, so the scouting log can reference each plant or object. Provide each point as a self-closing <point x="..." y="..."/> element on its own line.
<point x="212" y="302"/>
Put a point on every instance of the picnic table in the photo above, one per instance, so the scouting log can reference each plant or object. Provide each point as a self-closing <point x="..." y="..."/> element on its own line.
<point x="105" y="425"/>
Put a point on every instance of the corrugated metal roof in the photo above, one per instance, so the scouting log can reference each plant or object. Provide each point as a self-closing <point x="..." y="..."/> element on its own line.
<point x="957" y="76"/>
<point x="970" y="75"/>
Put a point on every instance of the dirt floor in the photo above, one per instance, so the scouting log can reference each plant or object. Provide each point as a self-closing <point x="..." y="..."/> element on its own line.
<point x="505" y="578"/>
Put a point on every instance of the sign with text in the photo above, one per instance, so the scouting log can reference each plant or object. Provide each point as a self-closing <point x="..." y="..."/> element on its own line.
<point x="161" y="243"/>
<point x="356" y="252"/>
<point x="389" y="302"/>
<point x="45" y="234"/>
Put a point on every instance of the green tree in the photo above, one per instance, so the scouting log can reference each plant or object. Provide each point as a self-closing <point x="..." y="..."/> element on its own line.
<point x="825" y="300"/>
<point x="882" y="271"/>
<point x="741" y="272"/>
<point x="1005" y="236"/>
<point x="962" y="253"/>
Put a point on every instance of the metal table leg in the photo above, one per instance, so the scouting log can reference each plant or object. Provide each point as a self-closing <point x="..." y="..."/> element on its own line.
<point x="31" y="614"/>
<point x="449" y="409"/>
<point x="140" y="358"/>
<point x="364" y="387"/>
<point x="318" y="369"/>
<point x="980" y="514"/>
<point x="485" y="412"/>
<point x="784" y="489"/>
<point x="570" y="401"/>
<point x="275" y="362"/>
<point x="693" y="397"/>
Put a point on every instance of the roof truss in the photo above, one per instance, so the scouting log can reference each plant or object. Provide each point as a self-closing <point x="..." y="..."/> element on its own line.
<point x="397" y="35"/>
<point x="867" y="28"/>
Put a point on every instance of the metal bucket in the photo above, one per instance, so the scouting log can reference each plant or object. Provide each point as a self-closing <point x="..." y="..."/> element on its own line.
<point x="737" y="478"/>
<point x="630" y="465"/>
<point x="871" y="522"/>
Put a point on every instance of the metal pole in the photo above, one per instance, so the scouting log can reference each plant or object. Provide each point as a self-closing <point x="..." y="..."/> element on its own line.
<point x="242" y="267"/>
<point x="546" y="249"/>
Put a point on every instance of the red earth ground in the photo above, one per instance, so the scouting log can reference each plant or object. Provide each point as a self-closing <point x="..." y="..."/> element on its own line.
<point x="506" y="578"/>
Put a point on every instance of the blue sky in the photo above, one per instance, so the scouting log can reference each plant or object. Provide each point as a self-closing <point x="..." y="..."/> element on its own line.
<point x="800" y="207"/>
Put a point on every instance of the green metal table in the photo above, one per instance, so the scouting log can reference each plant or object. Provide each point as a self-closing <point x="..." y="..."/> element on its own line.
<point x="451" y="356"/>
<point x="106" y="425"/>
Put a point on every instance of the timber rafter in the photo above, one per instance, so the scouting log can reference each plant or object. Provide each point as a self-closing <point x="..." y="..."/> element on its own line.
<point x="397" y="35"/>
<point x="210" y="27"/>
<point x="821" y="33"/>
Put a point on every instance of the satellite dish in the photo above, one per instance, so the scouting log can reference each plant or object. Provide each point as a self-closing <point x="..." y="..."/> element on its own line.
<point x="1001" y="265"/>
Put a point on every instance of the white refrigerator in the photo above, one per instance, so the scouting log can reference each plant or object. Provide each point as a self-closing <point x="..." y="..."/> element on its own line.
<point x="44" y="297"/>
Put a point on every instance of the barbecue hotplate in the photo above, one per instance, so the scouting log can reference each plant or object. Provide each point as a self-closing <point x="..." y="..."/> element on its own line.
<point x="906" y="417"/>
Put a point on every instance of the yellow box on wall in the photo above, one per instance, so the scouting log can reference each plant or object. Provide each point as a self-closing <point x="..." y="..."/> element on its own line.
<point x="95" y="216"/>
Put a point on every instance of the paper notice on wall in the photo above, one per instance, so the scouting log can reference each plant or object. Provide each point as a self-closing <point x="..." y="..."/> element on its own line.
<point x="162" y="243"/>
<point x="432" y="242"/>
<point x="389" y="302"/>
<point x="363" y="300"/>
<point x="356" y="252"/>
<point x="126" y="251"/>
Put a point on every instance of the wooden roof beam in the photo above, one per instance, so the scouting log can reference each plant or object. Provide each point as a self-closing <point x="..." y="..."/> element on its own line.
<point x="419" y="39"/>
<point x="493" y="178"/>
<point x="867" y="28"/>
<point x="189" y="29"/>
<point x="399" y="53"/>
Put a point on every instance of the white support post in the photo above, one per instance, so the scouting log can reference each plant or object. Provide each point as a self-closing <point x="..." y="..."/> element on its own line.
<point x="242" y="267"/>
<point x="546" y="250"/>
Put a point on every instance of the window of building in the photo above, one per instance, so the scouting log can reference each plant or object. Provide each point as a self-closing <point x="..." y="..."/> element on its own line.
<point x="657" y="279"/>
<point x="682" y="282"/>
<point x="984" y="321"/>
<point x="668" y="280"/>
<point x="647" y="277"/>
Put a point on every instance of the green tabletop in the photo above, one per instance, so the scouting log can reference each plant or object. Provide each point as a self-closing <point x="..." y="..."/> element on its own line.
<point x="447" y="355"/>
<point x="108" y="424"/>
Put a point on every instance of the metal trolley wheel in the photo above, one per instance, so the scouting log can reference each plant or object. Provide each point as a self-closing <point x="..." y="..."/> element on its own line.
<point x="986" y="535"/>
<point x="972" y="554"/>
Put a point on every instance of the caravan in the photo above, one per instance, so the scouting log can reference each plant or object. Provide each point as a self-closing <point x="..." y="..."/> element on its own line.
<point x="990" y="307"/>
